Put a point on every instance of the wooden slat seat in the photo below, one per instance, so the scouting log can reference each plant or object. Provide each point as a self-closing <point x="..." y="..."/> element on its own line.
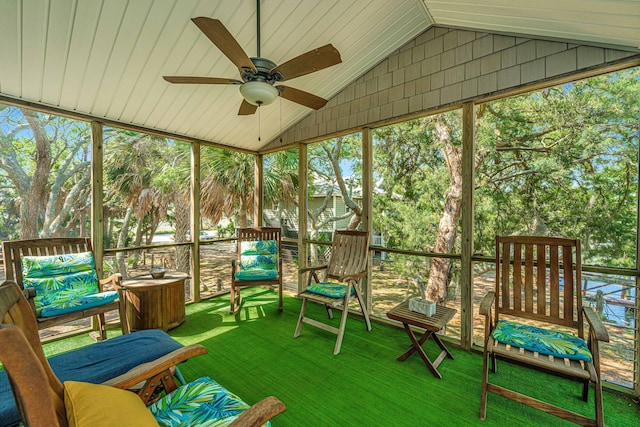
<point x="347" y="268"/>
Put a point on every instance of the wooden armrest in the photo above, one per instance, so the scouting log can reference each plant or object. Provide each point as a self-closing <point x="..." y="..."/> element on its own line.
<point x="260" y="413"/>
<point x="115" y="279"/>
<point x="352" y="276"/>
<point x="487" y="302"/>
<point x="596" y="325"/>
<point x="147" y="370"/>
<point x="314" y="268"/>
<point x="29" y="293"/>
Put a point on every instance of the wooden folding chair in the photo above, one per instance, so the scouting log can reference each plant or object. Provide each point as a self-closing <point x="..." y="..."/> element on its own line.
<point x="537" y="299"/>
<point x="344" y="275"/>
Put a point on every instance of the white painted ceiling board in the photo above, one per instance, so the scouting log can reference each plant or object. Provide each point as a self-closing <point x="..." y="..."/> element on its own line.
<point x="615" y="22"/>
<point x="106" y="58"/>
<point x="11" y="50"/>
<point x="58" y="39"/>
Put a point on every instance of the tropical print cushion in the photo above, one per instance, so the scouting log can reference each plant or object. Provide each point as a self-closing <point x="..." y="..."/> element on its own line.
<point x="259" y="247"/>
<point x="74" y="304"/>
<point x="55" y="265"/>
<point x="202" y="402"/>
<point x="544" y="341"/>
<point x="256" y="274"/>
<point x="63" y="283"/>
<point x="264" y="262"/>
<point x="330" y="289"/>
<point x="258" y="260"/>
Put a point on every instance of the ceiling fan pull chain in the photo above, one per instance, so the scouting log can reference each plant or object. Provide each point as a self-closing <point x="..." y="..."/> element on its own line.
<point x="259" y="120"/>
<point x="280" y="120"/>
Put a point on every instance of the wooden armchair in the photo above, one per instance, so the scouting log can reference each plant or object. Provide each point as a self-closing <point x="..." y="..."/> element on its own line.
<point x="537" y="299"/>
<point x="258" y="263"/>
<point x="43" y="400"/>
<point x="344" y="273"/>
<point x="68" y="301"/>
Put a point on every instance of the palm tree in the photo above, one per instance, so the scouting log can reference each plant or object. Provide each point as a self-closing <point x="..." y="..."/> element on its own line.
<point x="228" y="183"/>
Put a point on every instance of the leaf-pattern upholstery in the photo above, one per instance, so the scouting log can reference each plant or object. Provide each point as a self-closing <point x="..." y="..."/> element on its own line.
<point x="544" y="341"/>
<point x="63" y="283"/>
<point x="329" y="289"/>
<point x="258" y="260"/>
<point x="202" y="402"/>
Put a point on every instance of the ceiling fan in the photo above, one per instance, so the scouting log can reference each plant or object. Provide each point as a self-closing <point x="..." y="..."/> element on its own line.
<point x="259" y="75"/>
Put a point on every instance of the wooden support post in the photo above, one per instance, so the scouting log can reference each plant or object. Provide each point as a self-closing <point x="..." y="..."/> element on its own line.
<point x="367" y="207"/>
<point x="97" y="218"/>
<point x="258" y="195"/>
<point x="195" y="222"/>
<point x="466" y="267"/>
<point x="302" y="212"/>
<point x="97" y="214"/>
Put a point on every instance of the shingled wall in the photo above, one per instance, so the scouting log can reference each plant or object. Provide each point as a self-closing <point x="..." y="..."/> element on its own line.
<point x="443" y="67"/>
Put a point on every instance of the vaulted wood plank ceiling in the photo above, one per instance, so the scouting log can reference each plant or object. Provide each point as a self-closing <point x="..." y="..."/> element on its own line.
<point x="106" y="58"/>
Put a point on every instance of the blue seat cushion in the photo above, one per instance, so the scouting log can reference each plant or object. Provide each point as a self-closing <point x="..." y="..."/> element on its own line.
<point x="544" y="341"/>
<point x="256" y="274"/>
<point x="200" y="402"/>
<point x="96" y="363"/>
<point x="330" y="289"/>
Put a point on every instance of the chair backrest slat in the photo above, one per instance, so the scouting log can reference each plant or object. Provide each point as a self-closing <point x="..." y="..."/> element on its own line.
<point x="349" y="251"/>
<point x="517" y="277"/>
<point x="550" y="288"/>
<point x="542" y="290"/>
<point x="528" y="278"/>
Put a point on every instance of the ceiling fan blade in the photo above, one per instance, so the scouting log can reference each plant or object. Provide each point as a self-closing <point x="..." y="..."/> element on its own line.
<point x="301" y="97"/>
<point x="202" y="80"/>
<point x="314" y="60"/>
<point x="247" y="109"/>
<point x="222" y="38"/>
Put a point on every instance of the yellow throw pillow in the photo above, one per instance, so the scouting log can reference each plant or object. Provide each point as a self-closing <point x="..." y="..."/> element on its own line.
<point x="99" y="405"/>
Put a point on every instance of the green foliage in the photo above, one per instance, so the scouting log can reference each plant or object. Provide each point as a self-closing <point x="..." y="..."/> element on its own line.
<point x="563" y="161"/>
<point x="560" y="161"/>
<point x="412" y="178"/>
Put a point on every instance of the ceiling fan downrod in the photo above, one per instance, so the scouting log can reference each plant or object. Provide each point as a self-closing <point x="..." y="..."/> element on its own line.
<point x="258" y="27"/>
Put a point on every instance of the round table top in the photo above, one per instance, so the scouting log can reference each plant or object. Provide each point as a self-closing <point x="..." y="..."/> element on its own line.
<point x="146" y="280"/>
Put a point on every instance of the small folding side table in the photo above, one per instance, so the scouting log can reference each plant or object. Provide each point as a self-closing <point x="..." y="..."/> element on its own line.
<point x="431" y="325"/>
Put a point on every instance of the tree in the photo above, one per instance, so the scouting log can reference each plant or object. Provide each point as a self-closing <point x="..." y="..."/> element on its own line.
<point x="228" y="183"/>
<point x="561" y="161"/>
<point x="326" y="177"/>
<point x="46" y="160"/>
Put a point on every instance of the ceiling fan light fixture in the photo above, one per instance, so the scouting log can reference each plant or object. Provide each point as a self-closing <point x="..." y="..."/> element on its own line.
<point x="259" y="93"/>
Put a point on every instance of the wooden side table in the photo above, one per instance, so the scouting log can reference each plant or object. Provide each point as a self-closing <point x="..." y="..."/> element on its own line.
<point x="431" y="325"/>
<point x="155" y="303"/>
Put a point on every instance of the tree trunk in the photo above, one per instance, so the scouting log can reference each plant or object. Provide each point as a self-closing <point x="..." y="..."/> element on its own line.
<point x="182" y="225"/>
<point x="122" y="242"/>
<point x="447" y="228"/>
<point x="36" y="196"/>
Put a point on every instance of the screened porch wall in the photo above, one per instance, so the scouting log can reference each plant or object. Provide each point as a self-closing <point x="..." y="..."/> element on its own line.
<point x="444" y="68"/>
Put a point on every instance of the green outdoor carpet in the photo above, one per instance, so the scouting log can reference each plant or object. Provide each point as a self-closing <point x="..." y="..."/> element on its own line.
<point x="254" y="355"/>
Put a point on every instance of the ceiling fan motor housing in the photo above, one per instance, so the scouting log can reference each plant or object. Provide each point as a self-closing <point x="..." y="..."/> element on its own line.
<point x="258" y="87"/>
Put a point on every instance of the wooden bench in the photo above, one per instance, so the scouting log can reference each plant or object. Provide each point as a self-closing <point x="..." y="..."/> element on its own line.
<point x="15" y="252"/>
